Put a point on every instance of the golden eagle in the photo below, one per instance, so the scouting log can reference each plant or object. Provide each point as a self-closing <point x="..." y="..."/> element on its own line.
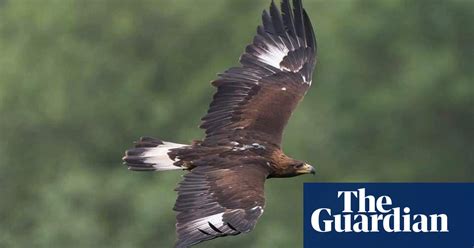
<point x="223" y="192"/>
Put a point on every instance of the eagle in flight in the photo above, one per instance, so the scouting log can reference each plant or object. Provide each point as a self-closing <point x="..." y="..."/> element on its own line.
<point x="223" y="192"/>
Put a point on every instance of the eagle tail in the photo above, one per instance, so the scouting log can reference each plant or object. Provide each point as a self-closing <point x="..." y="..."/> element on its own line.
<point x="150" y="154"/>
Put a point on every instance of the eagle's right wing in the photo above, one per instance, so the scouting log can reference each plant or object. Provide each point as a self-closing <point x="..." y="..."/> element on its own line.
<point x="255" y="101"/>
<point x="217" y="201"/>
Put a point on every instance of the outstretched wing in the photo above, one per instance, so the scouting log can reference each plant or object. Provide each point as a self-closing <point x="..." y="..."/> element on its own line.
<point x="218" y="201"/>
<point x="255" y="101"/>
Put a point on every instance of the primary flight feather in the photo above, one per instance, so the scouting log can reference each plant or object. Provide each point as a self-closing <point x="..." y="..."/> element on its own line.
<point x="223" y="193"/>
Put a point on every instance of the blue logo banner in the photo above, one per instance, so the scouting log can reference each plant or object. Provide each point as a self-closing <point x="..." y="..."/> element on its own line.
<point x="388" y="215"/>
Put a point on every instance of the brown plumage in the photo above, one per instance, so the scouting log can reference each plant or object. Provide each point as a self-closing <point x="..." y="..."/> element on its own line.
<point x="223" y="193"/>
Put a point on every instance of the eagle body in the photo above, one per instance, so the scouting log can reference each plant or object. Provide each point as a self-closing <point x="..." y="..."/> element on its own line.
<point x="266" y="157"/>
<point x="223" y="192"/>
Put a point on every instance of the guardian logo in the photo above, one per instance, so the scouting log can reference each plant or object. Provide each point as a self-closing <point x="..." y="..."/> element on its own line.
<point x="373" y="214"/>
<point x="389" y="215"/>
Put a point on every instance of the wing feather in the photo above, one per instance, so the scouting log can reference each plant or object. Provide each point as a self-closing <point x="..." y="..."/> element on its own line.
<point x="275" y="73"/>
<point x="277" y="20"/>
<point x="217" y="201"/>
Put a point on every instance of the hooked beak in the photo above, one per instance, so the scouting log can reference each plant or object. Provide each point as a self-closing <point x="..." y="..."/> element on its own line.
<point x="307" y="169"/>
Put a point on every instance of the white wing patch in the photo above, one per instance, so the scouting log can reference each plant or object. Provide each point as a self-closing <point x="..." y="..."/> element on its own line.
<point x="305" y="80"/>
<point x="158" y="156"/>
<point x="274" y="55"/>
<point x="203" y="223"/>
<point x="257" y="207"/>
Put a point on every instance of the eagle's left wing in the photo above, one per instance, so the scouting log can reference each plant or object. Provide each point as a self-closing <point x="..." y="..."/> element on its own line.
<point x="255" y="101"/>
<point x="217" y="201"/>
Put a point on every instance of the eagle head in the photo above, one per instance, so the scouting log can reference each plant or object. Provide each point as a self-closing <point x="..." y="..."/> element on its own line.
<point x="301" y="168"/>
<point x="290" y="168"/>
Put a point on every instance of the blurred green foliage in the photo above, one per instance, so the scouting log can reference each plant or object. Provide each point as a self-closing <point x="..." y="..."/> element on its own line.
<point x="392" y="100"/>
